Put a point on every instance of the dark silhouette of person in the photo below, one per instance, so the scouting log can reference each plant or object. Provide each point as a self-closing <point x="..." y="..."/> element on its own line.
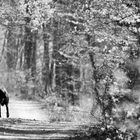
<point x="4" y="100"/>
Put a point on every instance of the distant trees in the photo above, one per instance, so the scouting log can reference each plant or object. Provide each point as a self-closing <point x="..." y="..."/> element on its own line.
<point x="76" y="47"/>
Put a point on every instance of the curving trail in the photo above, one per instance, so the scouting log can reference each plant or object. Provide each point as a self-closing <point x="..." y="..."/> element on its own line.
<point x="29" y="121"/>
<point x="27" y="110"/>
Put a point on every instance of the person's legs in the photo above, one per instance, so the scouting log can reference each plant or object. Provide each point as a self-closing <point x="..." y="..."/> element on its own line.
<point x="7" y="110"/>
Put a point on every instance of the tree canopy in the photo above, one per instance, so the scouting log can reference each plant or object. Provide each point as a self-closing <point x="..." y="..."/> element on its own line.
<point x="68" y="48"/>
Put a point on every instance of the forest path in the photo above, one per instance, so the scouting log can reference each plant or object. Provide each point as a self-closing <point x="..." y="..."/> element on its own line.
<point x="25" y="109"/>
<point x="29" y="121"/>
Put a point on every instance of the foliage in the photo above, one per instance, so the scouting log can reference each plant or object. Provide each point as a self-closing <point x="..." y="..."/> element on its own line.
<point x="98" y="132"/>
<point x="103" y="37"/>
<point x="100" y="34"/>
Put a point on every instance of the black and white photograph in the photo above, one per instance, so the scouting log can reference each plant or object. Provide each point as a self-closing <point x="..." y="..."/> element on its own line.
<point x="69" y="69"/>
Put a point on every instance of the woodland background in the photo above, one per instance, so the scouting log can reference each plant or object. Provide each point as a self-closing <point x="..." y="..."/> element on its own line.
<point x="75" y="54"/>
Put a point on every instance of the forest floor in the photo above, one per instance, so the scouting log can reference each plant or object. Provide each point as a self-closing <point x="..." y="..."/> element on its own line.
<point x="28" y="120"/>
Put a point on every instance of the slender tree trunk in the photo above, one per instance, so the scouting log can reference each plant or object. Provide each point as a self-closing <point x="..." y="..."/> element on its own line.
<point x="20" y="58"/>
<point x="27" y="48"/>
<point x="12" y="48"/>
<point x="54" y="76"/>
<point x="82" y="78"/>
<point x="96" y="86"/>
<point x="56" y="68"/>
<point x="46" y="74"/>
<point x="20" y="50"/>
<point x="27" y="58"/>
<point x="33" y="61"/>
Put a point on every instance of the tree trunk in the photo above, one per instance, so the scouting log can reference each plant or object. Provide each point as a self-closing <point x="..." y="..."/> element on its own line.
<point x="20" y="58"/>
<point x="96" y="87"/>
<point x="12" y="48"/>
<point x="56" y="37"/>
<point x="27" y="48"/>
<point x="30" y="56"/>
<point x="54" y="76"/>
<point x="33" y="61"/>
<point x="47" y="61"/>
<point x="82" y="78"/>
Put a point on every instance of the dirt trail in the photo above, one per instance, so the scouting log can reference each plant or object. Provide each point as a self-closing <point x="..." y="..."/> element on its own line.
<point x="29" y="121"/>
<point x="26" y="110"/>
